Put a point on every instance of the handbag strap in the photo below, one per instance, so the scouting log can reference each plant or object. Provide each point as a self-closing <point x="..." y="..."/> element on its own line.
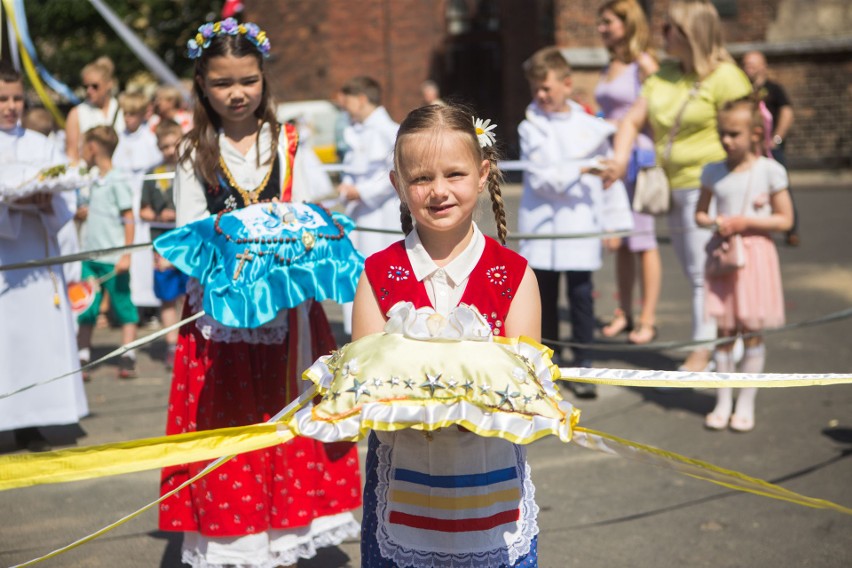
<point x="748" y="186"/>
<point x="676" y="126"/>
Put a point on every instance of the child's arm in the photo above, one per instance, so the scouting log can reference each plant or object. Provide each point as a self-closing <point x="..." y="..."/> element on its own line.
<point x="72" y="137"/>
<point x="524" y="316"/>
<point x="702" y="217"/>
<point x="146" y="213"/>
<point x="146" y="202"/>
<point x="123" y="264"/>
<point x="781" y="218"/>
<point x="544" y="176"/>
<point x="367" y="316"/>
<point x="623" y="141"/>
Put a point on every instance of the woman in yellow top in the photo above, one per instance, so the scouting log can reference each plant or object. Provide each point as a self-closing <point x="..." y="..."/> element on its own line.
<point x="693" y="38"/>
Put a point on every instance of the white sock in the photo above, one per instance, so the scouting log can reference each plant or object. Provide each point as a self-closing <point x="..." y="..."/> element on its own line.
<point x="753" y="361"/>
<point x="725" y="396"/>
<point x="130" y="355"/>
<point x="84" y="354"/>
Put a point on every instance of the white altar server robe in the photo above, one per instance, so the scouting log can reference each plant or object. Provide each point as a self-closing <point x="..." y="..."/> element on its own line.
<point x="557" y="198"/>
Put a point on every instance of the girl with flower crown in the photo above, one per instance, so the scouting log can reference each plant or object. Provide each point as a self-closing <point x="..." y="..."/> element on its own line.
<point x="267" y="507"/>
<point x="449" y="497"/>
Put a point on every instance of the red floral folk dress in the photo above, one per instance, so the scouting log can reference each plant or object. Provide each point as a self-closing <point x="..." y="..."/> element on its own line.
<point x="226" y="381"/>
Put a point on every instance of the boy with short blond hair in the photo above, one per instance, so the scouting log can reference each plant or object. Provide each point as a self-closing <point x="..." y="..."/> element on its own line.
<point x="560" y="143"/>
<point x="109" y="215"/>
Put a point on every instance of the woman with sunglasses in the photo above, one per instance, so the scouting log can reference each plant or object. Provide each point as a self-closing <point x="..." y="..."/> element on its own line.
<point x="99" y="109"/>
<point x="680" y="102"/>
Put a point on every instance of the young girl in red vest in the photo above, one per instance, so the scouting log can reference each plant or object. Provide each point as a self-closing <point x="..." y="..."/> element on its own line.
<point x="481" y="509"/>
<point x="267" y="507"/>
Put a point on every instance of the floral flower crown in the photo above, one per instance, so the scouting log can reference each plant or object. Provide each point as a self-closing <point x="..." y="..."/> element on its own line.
<point x="483" y="132"/>
<point x="228" y="26"/>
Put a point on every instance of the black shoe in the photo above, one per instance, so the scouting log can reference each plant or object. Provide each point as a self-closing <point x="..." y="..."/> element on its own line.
<point x="126" y="368"/>
<point x="32" y="440"/>
<point x="584" y="390"/>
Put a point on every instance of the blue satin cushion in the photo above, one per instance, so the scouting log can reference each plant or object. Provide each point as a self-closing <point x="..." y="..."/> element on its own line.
<point x="248" y="293"/>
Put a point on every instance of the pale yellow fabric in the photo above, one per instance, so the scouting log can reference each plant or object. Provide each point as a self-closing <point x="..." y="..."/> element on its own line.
<point x="697" y="141"/>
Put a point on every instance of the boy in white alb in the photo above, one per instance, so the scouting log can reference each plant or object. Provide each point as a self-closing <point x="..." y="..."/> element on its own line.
<point x="366" y="189"/>
<point x="37" y="333"/>
<point x="559" y="142"/>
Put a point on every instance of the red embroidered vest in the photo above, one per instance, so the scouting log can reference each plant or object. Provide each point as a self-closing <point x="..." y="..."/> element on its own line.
<point x="490" y="288"/>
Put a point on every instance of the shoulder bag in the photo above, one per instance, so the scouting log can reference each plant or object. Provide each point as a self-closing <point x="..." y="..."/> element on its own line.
<point x="726" y="255"/>
<point x="652" y="194"/>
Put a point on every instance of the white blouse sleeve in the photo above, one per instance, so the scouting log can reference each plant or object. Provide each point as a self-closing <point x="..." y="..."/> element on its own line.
<point x="190" y="198"/>
<point x="778" y="180"/>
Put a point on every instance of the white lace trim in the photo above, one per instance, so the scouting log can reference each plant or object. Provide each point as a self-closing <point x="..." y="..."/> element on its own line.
<point x="402" y="556"/>
<point x="346" y="527"/>
<point x="271" y="333"/>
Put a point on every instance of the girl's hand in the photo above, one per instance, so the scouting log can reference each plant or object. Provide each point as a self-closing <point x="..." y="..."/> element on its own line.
<point x="727" y="226"/>
<point x="82" y="213"/>
<point x="612" y="171"/>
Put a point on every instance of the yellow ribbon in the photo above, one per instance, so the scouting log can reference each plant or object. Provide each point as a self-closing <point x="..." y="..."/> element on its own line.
<point x="688" y="380"/>
<point x="607" y="443"/>
<point x="126" y="457"/>
<point x="74" y="464"/>
<point x="285" y="437"/>
<point x="30" y="69"/>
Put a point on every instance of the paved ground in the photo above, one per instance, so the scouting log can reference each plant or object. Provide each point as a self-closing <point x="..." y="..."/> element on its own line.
<point x="596" y="510"/>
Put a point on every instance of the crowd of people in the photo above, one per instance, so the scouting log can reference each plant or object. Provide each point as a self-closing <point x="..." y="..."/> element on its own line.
<point x="717" y="131"/>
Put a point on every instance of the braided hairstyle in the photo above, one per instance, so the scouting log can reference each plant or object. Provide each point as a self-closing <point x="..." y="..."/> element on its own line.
<point x="458" y="118"/>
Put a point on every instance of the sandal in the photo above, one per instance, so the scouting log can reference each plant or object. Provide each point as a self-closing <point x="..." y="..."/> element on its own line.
<point x="742" y="423"/>
<point x="717" y="422"/>
<point x="642" y="334"/>
<point x="620" y="323"/>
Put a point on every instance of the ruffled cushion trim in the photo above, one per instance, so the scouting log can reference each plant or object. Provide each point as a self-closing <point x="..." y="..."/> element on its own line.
<point x="430" y="416"/>
<point x="390" y="408"/>
<point x="402" y="556"/>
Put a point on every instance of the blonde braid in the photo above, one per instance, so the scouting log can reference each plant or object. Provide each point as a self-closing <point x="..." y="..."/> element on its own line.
<point x="405" y="218"/>
<point x="494" y="181"/>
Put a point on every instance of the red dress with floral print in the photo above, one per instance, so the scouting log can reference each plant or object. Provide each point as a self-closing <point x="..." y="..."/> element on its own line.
<point x="219" y="384"/>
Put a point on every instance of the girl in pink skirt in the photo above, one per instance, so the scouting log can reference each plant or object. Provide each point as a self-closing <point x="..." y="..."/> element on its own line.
<point x="750" y="195"/>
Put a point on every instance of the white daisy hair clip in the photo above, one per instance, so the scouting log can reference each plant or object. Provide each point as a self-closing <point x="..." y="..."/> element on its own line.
<point x="483" y="131"/>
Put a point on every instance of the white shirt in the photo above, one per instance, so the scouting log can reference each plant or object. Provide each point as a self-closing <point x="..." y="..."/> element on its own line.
<point x="445" y="285"/>
<point x="189" y="192"/>
<point x="558" y="198"/>
<point x="730" y="189"/>
<point x="367" y="166"/>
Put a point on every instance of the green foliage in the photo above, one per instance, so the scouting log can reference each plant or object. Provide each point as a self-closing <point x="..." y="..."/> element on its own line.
<point x="68" y="34"/>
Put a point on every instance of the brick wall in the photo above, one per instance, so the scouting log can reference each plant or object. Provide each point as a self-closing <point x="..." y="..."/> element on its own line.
<point x="319" y="44"/>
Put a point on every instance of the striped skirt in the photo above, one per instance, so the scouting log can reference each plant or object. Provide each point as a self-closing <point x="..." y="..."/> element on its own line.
<point x="449" y="499"/>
